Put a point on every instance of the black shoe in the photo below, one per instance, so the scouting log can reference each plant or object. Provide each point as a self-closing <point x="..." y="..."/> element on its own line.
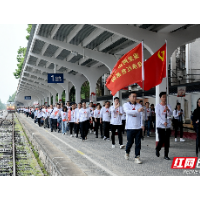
<point x="96" y="137"/>
<point x="51" y="130"/>
<point x="166" y="158"/>
<point x="157" y="153"/>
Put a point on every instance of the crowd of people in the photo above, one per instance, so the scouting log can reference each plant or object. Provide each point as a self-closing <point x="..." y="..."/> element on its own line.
<point x="132" y="117"/>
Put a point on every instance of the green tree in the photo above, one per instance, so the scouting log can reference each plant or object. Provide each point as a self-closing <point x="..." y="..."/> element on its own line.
<point x="85" y="90"/>
<point x="2" y="106"/>
<point x="12" y="98"/>
<point x="21" y="55"/>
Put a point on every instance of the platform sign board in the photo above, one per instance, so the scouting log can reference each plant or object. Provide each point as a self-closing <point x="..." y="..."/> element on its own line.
<point x="27" y="97"/>
<point x="181" y="91"/>
<point x="55" y="78"/>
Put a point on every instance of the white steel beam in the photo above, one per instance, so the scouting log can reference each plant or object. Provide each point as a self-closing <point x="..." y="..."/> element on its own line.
<point x="73" y="33"/>
<point x="107" y="59"/>
<point x="170" y="27"/>
<point x="54" y="30"/>
<point x="92" y="36"/>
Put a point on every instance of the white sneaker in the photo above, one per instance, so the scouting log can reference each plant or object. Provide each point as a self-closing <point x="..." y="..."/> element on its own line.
<point x="182" y="140"/>
<point x="108" y="139"/>
<point x="126" y="156"/>
<point x="138" y="161"/>
<point x="90" y="131"/>
<point x="74" y="135"/>
<point x="122" y="146"/>
<point x="113" y="146"/>
<point x="94" y="133"/>
<point x="176" y="140"/>
<point x="71" y="135"/>
<point x="104" y="138"/>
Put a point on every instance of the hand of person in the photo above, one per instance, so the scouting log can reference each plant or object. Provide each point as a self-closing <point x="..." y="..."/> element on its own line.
<point x="120" y="114"/>
<point x="165" y="124"/>
<point x="141" y="109"/>
<point x="95" y="120"/>
<point x="197" y="121"/>
<point x="179" y="113"/>
<point x="100" y="121"/>
<point x="143" y="128"/>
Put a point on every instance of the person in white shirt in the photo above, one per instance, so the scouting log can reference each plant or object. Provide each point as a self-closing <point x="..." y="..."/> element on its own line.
<point x="97" y="117"/>
<point x="64" y="116"/>
<point x="71" y="119"/>
<point x="92" y="113"/>
<point x="68" y="105"/>
<point x="50" y="111"/>
<point x="84" y="116"/>
<point x="116" y="121"/>
<point x="56" y="113"/>
<point x="46" y="117"/>
<point x="134" y="126"/>
<point x="147" y="119"/>
<point x="76" y="124"/>
<point x="39" y="115"/>
<point x="178" y="115"/>
<point x="163" y="127"/>
<point x="105" y="119"/>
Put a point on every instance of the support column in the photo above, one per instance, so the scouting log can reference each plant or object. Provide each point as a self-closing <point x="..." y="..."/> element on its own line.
<point x="67" y="92"/>
<point x="59" y="97"/>
<point x="78" y="94"/>
<point x="187" y="61"/>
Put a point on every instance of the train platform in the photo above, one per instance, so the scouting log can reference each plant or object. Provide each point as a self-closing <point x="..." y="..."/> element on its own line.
<point x="95" y="157"/>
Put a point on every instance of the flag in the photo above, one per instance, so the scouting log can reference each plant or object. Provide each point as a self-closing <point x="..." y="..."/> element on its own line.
<point x="127" y="71"/>
<point x="154" y="69"/>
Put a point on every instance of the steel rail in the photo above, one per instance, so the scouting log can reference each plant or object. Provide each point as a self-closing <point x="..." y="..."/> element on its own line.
<point x="13" y="145"/>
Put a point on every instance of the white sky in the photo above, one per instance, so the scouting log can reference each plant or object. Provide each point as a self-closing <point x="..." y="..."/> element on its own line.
<point x="12" y="36"/>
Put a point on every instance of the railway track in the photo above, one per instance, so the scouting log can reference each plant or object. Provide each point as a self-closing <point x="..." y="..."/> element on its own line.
<point x="15" y="159"/>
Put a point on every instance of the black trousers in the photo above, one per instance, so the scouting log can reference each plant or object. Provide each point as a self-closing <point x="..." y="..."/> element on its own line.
<point x="91" y="124"/>
<point x="71" y="126"/>
<point x="164" y="137"/>
<point x="39" y="121"/>
<point x="54" y="124"/>
<point x="131" y="135"/>
<point x="119" y="127"/>
<point x="76" y="128"/>
<point x="97" y="124"/>
<point x="84" y="129"/>
<point x="178" y="124"/>
<point x="123" y="125"/>
<point x="106" y="127"/>
<point x="27" y="114"/>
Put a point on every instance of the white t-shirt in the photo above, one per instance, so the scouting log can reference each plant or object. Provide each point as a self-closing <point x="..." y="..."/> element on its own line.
<point x="133" y="117"/>
<point x="97" y="113"/>
<point x="105" y="114"/>
<point x="116" y="118"/>
<point x="56" y="113"/>
<point x="84" y="115"/>
<point x="64" y="115"/>
<point x="176" y="112"/>
<point x="160" y="116"/>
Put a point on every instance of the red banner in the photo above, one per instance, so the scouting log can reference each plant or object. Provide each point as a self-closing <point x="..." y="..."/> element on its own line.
<point x="154" y="69"/>
<point x="127" y="71"/>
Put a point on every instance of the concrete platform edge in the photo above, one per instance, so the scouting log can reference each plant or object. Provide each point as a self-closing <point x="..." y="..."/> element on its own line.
<point x="55" y="162"/>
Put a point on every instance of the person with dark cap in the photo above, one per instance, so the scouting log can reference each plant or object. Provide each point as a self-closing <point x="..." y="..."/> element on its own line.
<point x="196" y="123"/>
